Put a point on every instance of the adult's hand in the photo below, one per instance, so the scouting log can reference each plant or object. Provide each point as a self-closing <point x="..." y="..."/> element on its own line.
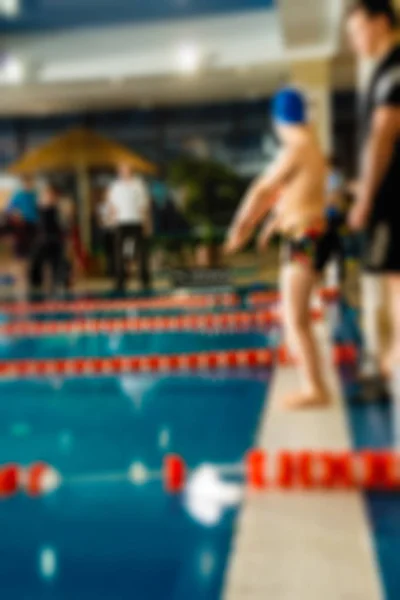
<point x="358" y="216"/>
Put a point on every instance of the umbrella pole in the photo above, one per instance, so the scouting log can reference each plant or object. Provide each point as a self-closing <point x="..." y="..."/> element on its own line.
<point x="84" y="207"/>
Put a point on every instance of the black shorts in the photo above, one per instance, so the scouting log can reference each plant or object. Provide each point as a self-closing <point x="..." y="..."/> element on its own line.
<point x="314" y="249"/>
<point x="382" y="247"/>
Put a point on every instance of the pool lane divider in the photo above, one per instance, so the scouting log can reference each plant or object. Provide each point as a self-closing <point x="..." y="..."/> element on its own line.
<point x="178" y="301"/>
<point x="164" y="363"/>
<point x="237" y="321"/>
<point x="257" y="299"/>
<point x="261" y="471"/>
<point x="185" y="301"/>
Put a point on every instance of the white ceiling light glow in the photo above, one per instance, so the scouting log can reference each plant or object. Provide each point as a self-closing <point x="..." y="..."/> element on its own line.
<point x="9" y="8"/>
<point x="11" y="71"/>
<point x="188" y="58"/>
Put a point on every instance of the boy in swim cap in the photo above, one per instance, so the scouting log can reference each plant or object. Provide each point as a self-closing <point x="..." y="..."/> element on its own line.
<point x="299" y="176"/>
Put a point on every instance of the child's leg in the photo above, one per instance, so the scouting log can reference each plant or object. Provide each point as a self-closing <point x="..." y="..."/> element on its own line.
<point x="298" y="281"/>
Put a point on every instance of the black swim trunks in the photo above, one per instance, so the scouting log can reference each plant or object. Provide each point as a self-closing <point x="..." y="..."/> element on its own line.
<point x="314" y="248"/>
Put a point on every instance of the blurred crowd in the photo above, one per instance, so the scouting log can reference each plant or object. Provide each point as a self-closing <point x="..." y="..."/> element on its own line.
<point x="40" y="227"/>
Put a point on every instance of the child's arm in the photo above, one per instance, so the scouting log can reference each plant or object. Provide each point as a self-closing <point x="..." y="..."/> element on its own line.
<point x="269" y="229"/>
<point x="259" y="200"/>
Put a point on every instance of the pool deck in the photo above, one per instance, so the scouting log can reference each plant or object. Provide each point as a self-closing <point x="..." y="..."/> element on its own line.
<point x="303" y="546"/>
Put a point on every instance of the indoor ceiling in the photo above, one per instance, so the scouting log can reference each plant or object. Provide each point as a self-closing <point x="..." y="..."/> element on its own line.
<point x="216" y="50"/>
<point x="38" y="15"/>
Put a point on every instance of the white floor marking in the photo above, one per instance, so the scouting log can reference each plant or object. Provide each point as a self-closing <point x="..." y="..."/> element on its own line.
<point x="303" y="546"/>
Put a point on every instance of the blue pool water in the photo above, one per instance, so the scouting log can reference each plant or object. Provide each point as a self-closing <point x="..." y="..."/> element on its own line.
<point x="115" y="540"/>
<point x="125" y="344"/>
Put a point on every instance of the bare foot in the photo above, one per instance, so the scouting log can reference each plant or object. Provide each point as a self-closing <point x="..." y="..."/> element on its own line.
<point x="304" y="401"/>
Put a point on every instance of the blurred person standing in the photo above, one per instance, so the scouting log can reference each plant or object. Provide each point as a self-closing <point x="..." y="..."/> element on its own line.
<point x="372" y="31"/>
<point x="106" y="228"/>
<point x="22" y="218"/>
<point x="49" y="251"/>
<point x="67" y="214"/>
<point x="129" y="208"/>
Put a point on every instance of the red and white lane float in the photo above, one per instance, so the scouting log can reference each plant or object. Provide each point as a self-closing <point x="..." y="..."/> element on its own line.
<point x="259" y="471"/>
<point x="342" y="354"/>
<point x="179" y="301"/>
<point x="162" y="363"/>
<point x="203" y="361"/>
<point x="231" y="321"/>
<point x="257" y="299"/>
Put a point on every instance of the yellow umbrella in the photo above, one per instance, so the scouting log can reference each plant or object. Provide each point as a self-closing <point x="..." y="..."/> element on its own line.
<point x="80" y="150"/>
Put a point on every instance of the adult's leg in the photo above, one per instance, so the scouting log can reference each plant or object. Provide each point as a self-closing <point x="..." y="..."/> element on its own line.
<point x="143" y="250"/>
<point x="55" y="260"/>
<point x="371" y="305"/>
<point x="393" y="358"/>
<point x="119" y="257"/>
<point x="297" y="283"/>
<point x="109" y="247"/>
<point x="24" y="244"/>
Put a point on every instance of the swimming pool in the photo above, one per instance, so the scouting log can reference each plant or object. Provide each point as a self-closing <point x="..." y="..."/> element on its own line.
<point x="112" y="539"/>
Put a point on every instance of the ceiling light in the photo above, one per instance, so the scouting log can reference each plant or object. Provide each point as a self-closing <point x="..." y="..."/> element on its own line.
<point x="9" y="8"/>
<point x="11" y="71"/>
<point x="188" y="58"/>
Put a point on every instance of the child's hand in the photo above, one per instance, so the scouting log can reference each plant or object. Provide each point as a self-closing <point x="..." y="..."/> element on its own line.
<point x="237" y="238"/>
<point x="266" y="234"/>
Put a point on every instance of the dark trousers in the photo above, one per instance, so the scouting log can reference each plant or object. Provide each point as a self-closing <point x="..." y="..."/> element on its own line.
<point x="130" y="242"/>
<point x="51" y="255"/>
<point x="108" y="242"/>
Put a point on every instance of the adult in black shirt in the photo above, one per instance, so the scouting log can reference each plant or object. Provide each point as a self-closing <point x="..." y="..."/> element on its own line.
<point x="372" y="34"/>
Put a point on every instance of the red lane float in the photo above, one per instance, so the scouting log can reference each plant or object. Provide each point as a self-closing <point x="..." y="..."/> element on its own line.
<point x="34" y="479"/>
<point x="243" y="320"/>
<point x="134" y="364"/>
<point x="262" y="357"/>
<point x="39" y="479"/>
<point x="273" y="297"/>
<point x="86" y="306"/>
<point x="345" y="354"/>
<point x="9" y="480"/>
<point x="256" y="470"/>
<point x="317" y="470"/>
<point x="174" y="474"/>
<point x="342" y="354"/>
<point x="285" y="470"/>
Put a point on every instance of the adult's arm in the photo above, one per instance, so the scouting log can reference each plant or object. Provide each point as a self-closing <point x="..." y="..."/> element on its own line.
<point x="376" y="160"/>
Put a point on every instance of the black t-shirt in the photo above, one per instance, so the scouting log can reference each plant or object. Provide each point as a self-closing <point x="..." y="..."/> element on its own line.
<point x="384" y="90"/>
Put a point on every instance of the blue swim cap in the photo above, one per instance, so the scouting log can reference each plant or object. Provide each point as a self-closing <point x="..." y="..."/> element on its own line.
<point x="289" y="107"/>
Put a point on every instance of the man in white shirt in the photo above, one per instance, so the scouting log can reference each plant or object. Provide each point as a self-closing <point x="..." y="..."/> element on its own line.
<point x="130" y="210"/>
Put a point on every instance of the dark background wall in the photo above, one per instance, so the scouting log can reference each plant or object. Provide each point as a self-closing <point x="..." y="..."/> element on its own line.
<point x="237" y="133"/>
